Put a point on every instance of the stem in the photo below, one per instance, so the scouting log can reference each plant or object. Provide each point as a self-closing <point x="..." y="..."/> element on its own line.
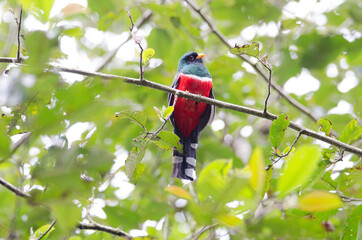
<point x="50" y="227"/>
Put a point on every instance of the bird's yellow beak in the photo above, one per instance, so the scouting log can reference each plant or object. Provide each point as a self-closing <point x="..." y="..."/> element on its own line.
<point x="201" y="55"/>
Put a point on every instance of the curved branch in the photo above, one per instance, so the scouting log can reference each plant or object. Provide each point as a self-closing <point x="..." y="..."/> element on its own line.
<point x="276" y="87"/>
<point x="103" y="228"/>
<point x="217" y="103"/>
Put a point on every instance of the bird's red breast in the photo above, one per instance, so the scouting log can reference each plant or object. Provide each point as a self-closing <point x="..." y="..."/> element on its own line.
<point x="187" y="112"/>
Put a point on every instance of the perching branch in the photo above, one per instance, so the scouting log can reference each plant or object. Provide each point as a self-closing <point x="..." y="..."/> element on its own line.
<point x="103" y="228"/>
<point x="50" y="227"/>
<point x="275" y="86"/>
<point x="133" y="29"/>
<point x="217" y="103"/>
<point x="14" y="189"/>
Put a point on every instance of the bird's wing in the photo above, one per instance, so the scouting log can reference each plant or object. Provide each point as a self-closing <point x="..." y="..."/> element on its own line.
<point x="175" y="83"/>
<point x="208" y="115"/>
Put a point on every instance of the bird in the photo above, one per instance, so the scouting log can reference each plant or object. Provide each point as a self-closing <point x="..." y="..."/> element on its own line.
<point x="190" y="117"/>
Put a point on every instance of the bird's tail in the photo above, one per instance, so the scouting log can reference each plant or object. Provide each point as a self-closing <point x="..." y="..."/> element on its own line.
<point x="184" y="163"/>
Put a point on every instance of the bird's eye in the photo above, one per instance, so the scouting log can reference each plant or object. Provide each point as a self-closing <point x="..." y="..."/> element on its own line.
<point x="191" y="58"/>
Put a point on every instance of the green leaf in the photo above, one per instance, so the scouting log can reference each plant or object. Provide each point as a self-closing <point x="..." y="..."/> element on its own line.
<point x="351" y="132"/>
<point x="326" y="125"/>
<point x="62" y="211"/>
<point x="138" y="117"/>
<point x="39" y="49"/>
<point x="40" y="231"/>
<point x="211" y="181"/>
<point x="257" y="167"/>
<point x="168" y="111"/>
<point x="353" y="224"/>
<point x="147" y="54"/>
<point x="140" y="168"/>
<point x="230" y="220"/>
<point x="298" y="168"/>
<point x="277" y="130"/>
<point x="5" y="140"/>
<point x="44" y="5"/>
<point x="134" y="158"/>
<point x="268" y="177"/>
<point x="319" y="201"/>
<point x="248" y="49"/>
<point x="290" y="23"/>
<point x="167" y="141"/>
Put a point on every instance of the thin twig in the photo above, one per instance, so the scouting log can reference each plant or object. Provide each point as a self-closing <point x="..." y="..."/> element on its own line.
<point x="202" y="230"/>
<point x="276" y="87"/>
<point x="103" y="228"/>
<point x="14" y="189"/>
<point x="166" y="119"/>
<point x="340" y="194"/>
<point x="274" y="161"/>
<point x="133" y="31"/>
<point x="269" y="84"/>
<point x="50" y="227"/>
<point x="18" y="59"/>
<point x="109" y="56"/>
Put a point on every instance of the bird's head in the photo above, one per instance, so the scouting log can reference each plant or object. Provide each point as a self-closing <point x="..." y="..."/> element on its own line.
<point x="191" y="63"/>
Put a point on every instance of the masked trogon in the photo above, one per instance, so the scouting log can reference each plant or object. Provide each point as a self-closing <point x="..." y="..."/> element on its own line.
<point x="190" y="117"/>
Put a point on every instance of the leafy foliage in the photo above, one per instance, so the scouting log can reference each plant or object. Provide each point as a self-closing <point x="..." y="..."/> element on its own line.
<point x="277" y="130"/>
<point x="80" y="145"/>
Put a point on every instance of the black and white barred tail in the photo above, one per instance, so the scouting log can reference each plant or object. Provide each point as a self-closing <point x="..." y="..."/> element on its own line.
<point x="184" y="164"/>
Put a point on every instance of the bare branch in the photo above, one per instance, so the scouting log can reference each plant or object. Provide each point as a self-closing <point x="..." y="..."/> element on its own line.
<point x="217" y="103"/>
<point x="18" y="59"/>
<point x="275" y="86"/>
<point x="50" y="227"/>
<point x="133" y="30"/>
<point x="103" y="228"/>
<point x="8" y="60"/>
<point x="14" y="189"/>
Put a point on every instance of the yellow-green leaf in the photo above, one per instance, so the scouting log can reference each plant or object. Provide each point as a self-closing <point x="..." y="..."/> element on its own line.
<point x="230" y="220"/>
<point x="44" y="5"/>
<point x="248" y="49"/>
<point x="318" y="201"/>
<point x="277" y="130"/>
<point x="257" y="167"/>
<point x="326" y="125"/>
<point x="298" y="168"/>
<point x="147" y="54"/>
<point x="351" y="132"/>
<point x="179" y="192"/>
<point x="40" y="231"/>
<point x="168" y="111"/>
